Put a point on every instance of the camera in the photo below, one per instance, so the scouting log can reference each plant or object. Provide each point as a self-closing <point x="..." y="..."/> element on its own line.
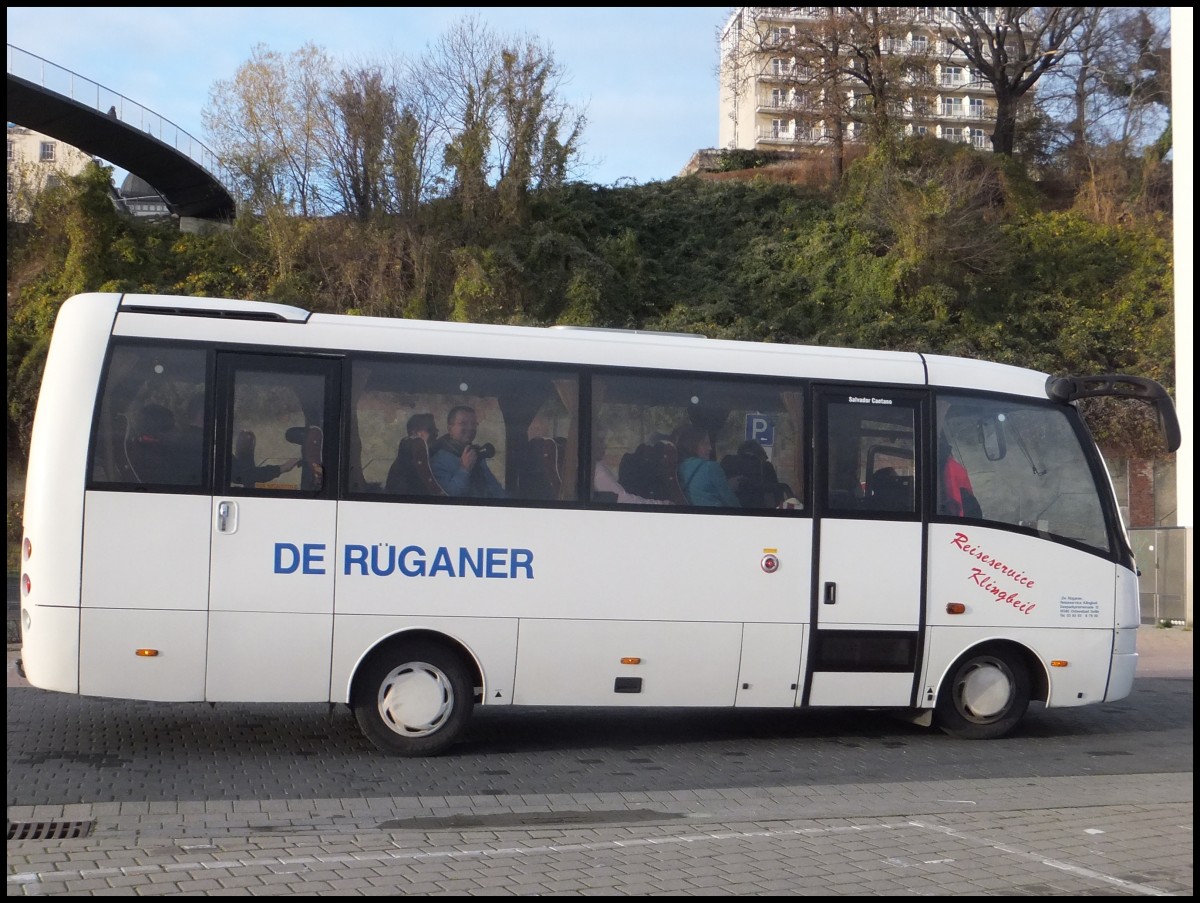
<point x="487" y="450"/>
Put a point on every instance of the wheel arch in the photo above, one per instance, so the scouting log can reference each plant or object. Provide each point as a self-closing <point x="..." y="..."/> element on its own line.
<point x="418" y="635"/>
<point x="1039" y="679"/>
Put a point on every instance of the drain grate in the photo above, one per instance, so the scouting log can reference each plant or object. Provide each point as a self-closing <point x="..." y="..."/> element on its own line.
<point x="48" y="830"/>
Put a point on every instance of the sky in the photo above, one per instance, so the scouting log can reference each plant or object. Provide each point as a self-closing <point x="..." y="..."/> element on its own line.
<point x="644" y="76"/>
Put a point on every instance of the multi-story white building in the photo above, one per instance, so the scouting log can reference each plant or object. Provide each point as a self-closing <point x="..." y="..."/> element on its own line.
<point x="37" y="162"/>
<point x="794" y="77"/>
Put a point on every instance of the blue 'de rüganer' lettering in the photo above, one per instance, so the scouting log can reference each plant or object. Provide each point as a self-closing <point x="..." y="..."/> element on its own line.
<point x="384" y="559"/>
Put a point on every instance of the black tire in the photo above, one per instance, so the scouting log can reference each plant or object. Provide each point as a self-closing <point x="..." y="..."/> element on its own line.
<point x="985" y="696"/>
<point x="413" y="699"/>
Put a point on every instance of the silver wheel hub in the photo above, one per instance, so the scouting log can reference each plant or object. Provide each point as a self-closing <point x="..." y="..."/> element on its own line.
<point x="985" y="691"/>
<point x="415" y="699"/>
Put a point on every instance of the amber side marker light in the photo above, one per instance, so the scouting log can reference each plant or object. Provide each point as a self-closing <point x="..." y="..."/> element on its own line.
<point x="146" y="653"/>
<point x="955" y="608"/>
<point x="1059" y="663"/>
<point x="631" y="660"/>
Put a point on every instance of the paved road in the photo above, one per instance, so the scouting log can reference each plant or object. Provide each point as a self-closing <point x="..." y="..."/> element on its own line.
<point x="289" y="800"/>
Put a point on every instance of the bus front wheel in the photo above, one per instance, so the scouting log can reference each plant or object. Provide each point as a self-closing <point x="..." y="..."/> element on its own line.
<point x="413" y="699"/>
<point x="985" y="695"/>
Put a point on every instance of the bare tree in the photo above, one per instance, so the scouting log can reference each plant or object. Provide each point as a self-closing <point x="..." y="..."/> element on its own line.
<point x="501" y="114"/>
<point x="262" y="124"/>
<point x="1134" y="70"/>
<point x="459" y="72"/>
<point x="539" y="134"/>
<point x="1081" y="71"/>
<point x="1114" y="72"/>
<point x="1112" y="94"/>
<point x="886" y="66"/>
<point x="378" y="137"/>
<point x="415" y="165"/>
<point x="1011" y="47"/>
<point x="360" y="118"/>
<point x="468" y="151"/>
<point x="475" y="117"/>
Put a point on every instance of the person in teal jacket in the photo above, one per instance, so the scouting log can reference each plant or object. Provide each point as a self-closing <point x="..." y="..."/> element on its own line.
<point x="459" y="466"/>
<point x="700" y="477"/>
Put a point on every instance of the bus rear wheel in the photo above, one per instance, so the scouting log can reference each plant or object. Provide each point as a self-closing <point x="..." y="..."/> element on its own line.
<point x="985" y="696"/>
<point x="413" y="699"/>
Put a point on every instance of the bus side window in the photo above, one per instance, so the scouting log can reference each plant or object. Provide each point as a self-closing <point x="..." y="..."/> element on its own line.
<point x="276" y="441"/>
<point x="548" y="466"/>
<point x="151" y="426"/>
<point x="754" y="429"/>
<point x="871" y="460"/>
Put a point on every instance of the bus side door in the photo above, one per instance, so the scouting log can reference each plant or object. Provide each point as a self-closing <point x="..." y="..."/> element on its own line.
<point x="273" y="529"/>
<point x="867" y="610"/>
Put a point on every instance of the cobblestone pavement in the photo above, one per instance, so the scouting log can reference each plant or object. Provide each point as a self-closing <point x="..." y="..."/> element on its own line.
<point x="1043" y="834"/>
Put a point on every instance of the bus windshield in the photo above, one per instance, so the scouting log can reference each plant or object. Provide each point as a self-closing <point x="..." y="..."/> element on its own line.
<point x="1026" y="467"/>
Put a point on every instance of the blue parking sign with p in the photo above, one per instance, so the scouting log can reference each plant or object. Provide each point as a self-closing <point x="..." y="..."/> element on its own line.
<point x="760" y="428"/>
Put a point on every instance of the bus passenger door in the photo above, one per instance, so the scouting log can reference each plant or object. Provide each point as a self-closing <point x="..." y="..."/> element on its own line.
<point x="273" y="529"/>
<point x="867" y="534"/>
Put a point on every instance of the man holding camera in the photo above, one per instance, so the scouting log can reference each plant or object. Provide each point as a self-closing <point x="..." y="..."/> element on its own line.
<point x="459" y="466"/>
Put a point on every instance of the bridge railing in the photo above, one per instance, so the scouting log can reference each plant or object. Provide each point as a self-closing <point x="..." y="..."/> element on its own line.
<point x="52" y="77"/>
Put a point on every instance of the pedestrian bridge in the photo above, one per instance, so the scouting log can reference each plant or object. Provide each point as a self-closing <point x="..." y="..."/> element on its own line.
<point x="59" y="103"/>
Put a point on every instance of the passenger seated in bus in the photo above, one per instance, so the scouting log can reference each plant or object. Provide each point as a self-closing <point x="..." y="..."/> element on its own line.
<point x="422" y="426"/>
<point x="459" y="465"/>
<point x="605" y="485"/>
<point x="703" y="481"/>
<point x="759" y="486"/>
<point x="246" y="472"/>
<point x="956" y="496"/>
<point x="888" y="491"/>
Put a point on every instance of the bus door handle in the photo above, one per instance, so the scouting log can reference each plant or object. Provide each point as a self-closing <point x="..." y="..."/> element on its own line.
<point x="226" y="517"/>
<point x="830" y="593"/>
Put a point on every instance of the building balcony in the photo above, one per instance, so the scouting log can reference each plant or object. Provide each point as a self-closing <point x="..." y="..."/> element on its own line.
<point x="789" y="74"/>
<point x="945" y="50"/>
<point x="791" y="105"/>
<point x="799" y="136"/>
<point x="967" y="136"/>
<point x="787" y="14"/>
<point x="964" y="84"/>
<point x="961" y="114"/>
<point x="919" y="46"/>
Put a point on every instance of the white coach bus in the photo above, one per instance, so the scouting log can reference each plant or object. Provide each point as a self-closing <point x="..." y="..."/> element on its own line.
<point x="233" y="501"/>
